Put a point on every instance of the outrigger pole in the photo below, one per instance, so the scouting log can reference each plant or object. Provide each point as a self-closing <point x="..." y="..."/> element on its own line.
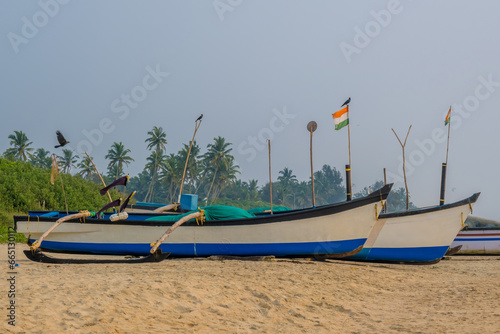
<point x="445" y="165"/>
<point x="196" y="127"/>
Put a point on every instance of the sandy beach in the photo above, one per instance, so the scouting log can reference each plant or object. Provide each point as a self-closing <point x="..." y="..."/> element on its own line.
<point x="459" y="295"/>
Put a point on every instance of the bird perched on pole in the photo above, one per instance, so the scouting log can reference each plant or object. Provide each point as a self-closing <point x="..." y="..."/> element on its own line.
<point x="346" y="102"/>
<point x="60" y="138"/>
<point x="199" y="118"/>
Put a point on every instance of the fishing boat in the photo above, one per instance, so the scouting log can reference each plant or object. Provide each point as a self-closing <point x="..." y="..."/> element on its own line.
<point x="329" y="231"/>
<point x="478" y="241"/>
<point x="419" y="236"/>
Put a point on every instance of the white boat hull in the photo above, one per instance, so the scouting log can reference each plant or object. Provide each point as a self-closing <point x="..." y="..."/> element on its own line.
<point x="422" y="235"/>
<point x="478" y="241"/>
<point x="336" y="229"/>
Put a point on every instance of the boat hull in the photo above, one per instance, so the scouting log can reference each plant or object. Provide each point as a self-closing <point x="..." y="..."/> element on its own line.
<point x="478" y="241"/>
<point x="418" y="236"/>
<point x="330" y="230"/>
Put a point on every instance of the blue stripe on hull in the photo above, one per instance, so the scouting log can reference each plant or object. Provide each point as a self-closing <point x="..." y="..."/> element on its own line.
<point x="411" y="254"/>
<point x="476" y="239"/>
<point x="206" y="249"/>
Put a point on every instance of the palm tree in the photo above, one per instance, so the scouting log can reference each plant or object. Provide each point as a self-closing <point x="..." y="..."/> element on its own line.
<point x="20" y="149"/>
<point x="86" y="168"/>
<point x="286" y="180"/>
<point x="171" y="173"/>
<point x="253" y="190"/>
<point x="41" y="159"/>
<point x="67" y="161"/>
<point x="157" y="140"/>
<point x="155" y="161"/>
<point x="217" y="153"/>
<point x="226" y="175"/>
<point x="117" y="155"/>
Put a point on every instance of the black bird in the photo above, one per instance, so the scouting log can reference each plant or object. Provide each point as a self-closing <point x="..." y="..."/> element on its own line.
<point x="346" y="102"/>
<point x="199" y="118"/>
<point x="60" y="138"/>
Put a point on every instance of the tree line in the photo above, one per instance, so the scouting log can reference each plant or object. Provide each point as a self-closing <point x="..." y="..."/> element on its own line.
<point x="212" y="175"/>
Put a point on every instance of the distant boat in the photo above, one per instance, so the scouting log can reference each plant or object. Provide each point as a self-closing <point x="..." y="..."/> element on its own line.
<point x="420" y="235"/>
<point x="329" y="231"/>
<point x="478" y="241"/>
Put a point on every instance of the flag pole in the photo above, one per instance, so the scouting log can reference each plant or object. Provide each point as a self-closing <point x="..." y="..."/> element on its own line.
<point x="348" y="167"/>
<point x="445" y="165"/>
<point x="270" y="180"/>
<point x="349" y="136"/>
<point x="448" y="144"/>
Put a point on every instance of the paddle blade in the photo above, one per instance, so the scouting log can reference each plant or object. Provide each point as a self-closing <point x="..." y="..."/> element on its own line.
<point x="122" y="181"/>
<point x="109" y="205"/>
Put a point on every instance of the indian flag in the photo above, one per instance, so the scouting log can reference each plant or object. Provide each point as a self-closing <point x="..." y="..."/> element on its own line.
<point x="447" y="120"/>
<point x="341" y="118"/>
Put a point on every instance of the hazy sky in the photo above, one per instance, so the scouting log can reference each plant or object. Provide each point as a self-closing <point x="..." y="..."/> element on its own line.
<point x="108" y="71"/>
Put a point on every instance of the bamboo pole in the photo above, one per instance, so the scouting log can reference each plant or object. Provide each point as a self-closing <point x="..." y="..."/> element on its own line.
<point x="64" y="194"/>
<point x="404" y="165"/>
<point x="38" y="242"/>
<point x="103" y="183"/>
<point x="55" y="171"/>
<point x="165" y="208"/>
<point x="448" y="144"/>
<point x="270" y="180"/>
<point x="445" y="166"/>
<point x="197" y="125"/>
<point x="157" y="243"/>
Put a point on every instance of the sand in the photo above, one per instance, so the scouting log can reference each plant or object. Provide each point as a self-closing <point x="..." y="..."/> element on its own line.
<point x="460" y="295"/>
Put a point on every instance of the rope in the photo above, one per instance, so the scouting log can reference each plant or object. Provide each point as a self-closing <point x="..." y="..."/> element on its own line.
<point x="376" y="212"/>
<point x="202" y="217"/>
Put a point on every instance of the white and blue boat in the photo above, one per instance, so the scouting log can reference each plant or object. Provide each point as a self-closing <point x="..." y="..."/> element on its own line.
<point x="478" y="241"/>
<point x="419" y="236"/>
<point x="328" y="231"/>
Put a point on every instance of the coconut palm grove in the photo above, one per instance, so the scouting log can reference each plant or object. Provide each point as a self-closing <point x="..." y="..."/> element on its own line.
<point x="211" y="173"/>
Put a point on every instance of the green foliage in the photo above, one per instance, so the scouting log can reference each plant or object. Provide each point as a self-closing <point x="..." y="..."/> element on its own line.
<point x="24" y="188"/>
<point x="6" y="221"/>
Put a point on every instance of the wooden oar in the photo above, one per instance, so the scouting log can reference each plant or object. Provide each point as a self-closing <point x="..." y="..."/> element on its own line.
<point x="157" y="243"/>
<point x="81" y="214"/>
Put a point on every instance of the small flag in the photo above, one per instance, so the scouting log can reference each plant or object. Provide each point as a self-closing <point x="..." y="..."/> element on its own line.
<point x="122" y="181"/>
<point x="124" y="205"/>
<point x="109" y="205"/>
<point x="341" y="118"/>
<point x="447" y="120"/>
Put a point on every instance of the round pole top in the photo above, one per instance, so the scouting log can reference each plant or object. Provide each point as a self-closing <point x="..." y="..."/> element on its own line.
<point x="312" y="126"/>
